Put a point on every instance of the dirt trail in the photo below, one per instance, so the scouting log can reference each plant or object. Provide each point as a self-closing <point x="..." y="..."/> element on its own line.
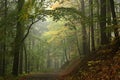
<point x="73" y="66"/>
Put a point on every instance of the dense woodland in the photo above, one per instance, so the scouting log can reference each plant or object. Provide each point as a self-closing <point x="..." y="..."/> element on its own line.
<point x="41" y="36"/>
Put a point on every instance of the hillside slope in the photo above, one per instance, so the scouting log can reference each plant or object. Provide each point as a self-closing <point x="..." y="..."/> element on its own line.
<point x="104" y="64"/>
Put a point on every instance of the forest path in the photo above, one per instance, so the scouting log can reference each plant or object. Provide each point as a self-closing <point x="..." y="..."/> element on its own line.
<point x="72" y="68"/>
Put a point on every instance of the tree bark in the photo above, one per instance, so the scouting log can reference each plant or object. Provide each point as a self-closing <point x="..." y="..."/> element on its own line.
<point x="92" y="25"/>
<point x="114" y="18"/>
<point x="84" y="33"/>
<point x="115" y="23"/>
<point x="98" y="23"/>
<point x="26" y="59"/>
<point x="103" y="22"/>
<point x="65" y="50"/>
<point x="109" y="22"/>
<point x="4" y="44"/>
<point x="77" y="42"/>
<point x="21" y="59"/>
<point x="18" y="39"/>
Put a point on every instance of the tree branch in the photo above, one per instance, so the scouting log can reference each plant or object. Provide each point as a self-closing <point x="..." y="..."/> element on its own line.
<point x="28" y="30"/>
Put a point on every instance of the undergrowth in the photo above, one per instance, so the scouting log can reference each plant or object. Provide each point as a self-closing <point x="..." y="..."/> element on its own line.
<point x="104" y="64"/>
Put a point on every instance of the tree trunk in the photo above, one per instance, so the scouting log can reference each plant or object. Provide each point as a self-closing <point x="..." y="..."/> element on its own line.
<point x="98" y="42"/>
<point x="108" y="20"/>
<point x="77" y="42"/>
<point x="84" y="33"/>
<point x="114" y="18"/>
<point x="4" y="44"/>
<point x="115" y="23"/>
<point x="29" y="56"/>
<point x="65" y="50"/>
<point x="26" y="59"/>
<point x="103" y="22"/>
<point x="18" y="39"/>
<point x="21" y="60"/>
<point x="92" y="25"/>
<point x="48" y="59"/>
<point x="1" y="58"/>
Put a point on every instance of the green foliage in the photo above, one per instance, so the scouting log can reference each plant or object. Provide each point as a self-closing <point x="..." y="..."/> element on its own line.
<point x="62" y="12"/>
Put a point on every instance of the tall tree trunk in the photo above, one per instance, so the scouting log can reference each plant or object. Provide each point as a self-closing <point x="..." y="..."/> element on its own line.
<point x="92" y="25"/>
<point x="84" y="33"/>
<point x="4" y="45"/>
<point x="114" y="18"/>
<point x="103" y="22"/>
<point x="65" y="50"/>
<point x="98" y="23"/>
<point x="115" y="23"/>
<point x="108" y="20"/>
<point x="18" y="39"/>
<point x="26" y="59"/>
<point x="1" y="58"/>
<point x="21" y="59"/>
<point x="48" y="59"/>
<point x="1" y="46"/>
<point x="29" y="56"/>
<point x="77" y="42"/>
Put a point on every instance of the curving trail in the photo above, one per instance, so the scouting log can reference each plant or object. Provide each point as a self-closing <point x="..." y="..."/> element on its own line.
<point x="73" y="67"/>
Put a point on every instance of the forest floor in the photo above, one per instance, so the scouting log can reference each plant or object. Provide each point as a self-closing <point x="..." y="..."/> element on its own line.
<point x="103" y="64"/>
<point x="67" y="69"/>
